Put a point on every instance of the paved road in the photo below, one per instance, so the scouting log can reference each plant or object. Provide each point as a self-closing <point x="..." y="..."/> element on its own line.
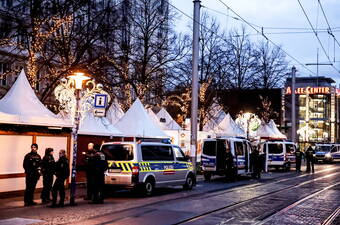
<point x="278" y="198"/>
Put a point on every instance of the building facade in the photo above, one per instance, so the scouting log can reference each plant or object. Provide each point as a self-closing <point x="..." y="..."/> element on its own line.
<point x="317" y="110"/>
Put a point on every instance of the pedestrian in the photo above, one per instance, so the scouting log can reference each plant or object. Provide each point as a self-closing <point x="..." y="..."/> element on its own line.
<point x="257" y="164"/>
<point x="32" y="163"/>
<point x="230" y="175"/>
<point x="298" y="158"/>
<point x="47" y="170"/>
<point x="90" y="176"/>
<point x="100" y="166"/>
<point x="62" y="172"/>
<point x="310" y="159"/>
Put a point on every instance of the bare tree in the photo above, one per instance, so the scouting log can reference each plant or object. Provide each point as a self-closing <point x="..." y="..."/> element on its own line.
<point x="271" y="66"/>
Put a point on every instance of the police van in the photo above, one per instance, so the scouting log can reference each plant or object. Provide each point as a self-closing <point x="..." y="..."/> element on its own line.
<point x="329" y="152"/>
<point x="214" y="155"/>
<point x="147" y="165"/>
<point x="280" y="154"/>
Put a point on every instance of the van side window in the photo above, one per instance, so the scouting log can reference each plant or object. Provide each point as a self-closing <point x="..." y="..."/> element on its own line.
<point x="275" y="148"/>
<point x="157" y="153"/>
<point x="239" y="148"/>
<point x="179" y="154"/>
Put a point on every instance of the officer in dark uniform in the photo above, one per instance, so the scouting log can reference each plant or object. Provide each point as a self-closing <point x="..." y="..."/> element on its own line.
<point x="47" y="170"/>
<point x="32" y="163"/>
<point x="310" y="159"/>
<point x="298" y="158"/>
<point x="62" y="172"/>
<point x="229" y="164"/>
<point x="90" y="174"/>
<point x="100" y="166"/>
<point x="257" y="164"/>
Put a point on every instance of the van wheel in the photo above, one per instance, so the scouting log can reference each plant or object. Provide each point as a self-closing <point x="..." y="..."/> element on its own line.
<point x="189" y="182"/>
<point x="207" y="176"/>
<point x="148" y="187"/>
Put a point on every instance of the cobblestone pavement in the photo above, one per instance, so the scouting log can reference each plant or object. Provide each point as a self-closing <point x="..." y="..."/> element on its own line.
<point x="278" y="198"/>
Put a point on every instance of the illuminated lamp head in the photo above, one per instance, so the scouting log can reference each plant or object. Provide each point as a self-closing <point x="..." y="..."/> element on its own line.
<point x="78" y="78"/>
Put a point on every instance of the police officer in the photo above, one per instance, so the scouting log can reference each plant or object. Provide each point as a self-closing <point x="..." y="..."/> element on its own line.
<point x="100" y="166"/>
<point x="90" y="175"/>
<point x="257" y="164"/>
<point x="62" y="172"/>
<point x="230" y="165"/>
<point x="298" y="158"/>
<point x="310" y="159"/>
<point x="47" y="170"/>
<point x="32" y="162"/>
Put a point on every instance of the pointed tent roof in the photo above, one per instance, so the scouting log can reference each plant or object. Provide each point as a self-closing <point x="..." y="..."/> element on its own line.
<point x="98" y="126"/>
<point x="137" y="123"/>
<point x="25" y="108"/>
<point x="228" y="127"/>
<point x="214" y="121"/>
<point x="169" y="123"/>
<point x="275" y="130"/>
<point x="153" y="116"/>
<point x="115" y="112"/>
<point x="265" y="131"/>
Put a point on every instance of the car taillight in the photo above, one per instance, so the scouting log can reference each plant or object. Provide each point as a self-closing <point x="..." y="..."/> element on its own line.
<point x="135" y="170"/>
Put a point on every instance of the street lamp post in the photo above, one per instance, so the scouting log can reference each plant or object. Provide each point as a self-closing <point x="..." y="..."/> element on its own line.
<point x="248" y="117"/>
<point x="78" y="80"/>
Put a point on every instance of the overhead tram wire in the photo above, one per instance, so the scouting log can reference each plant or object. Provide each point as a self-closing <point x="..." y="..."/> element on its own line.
<point x="205" y="27"/>
<point x="268" y="39"/>
<point x="329" y="26"/>
<point x="316" y="35"/>
<point x="306" y="29"/>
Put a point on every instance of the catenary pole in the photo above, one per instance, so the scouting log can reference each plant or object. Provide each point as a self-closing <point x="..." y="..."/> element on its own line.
<point x="293" y="105"/>
<point x="194" y="83"/>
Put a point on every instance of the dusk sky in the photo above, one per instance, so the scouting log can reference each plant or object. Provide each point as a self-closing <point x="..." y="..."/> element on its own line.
<point x="280" y="14"/>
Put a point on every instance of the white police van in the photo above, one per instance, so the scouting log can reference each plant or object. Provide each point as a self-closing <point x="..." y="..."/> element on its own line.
<point x="279" y="153"/>
<point x="327" y="152"/>
<point x="147" y="165"/>
<point x="214" y="155"/>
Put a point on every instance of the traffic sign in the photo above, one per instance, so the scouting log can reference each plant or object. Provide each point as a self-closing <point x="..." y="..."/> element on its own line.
<point x="100" y="101"/>
<point x="99" y="112"/>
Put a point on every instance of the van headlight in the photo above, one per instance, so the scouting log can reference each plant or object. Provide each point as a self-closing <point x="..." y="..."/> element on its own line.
<point x="328" y="155"/>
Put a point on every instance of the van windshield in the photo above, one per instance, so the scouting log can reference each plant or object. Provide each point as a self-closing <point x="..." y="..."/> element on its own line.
<point x="118" y="152"/>
<point x="209" y="148"/>
<point x="275" y="148"/>
<point x="323" y="148"/>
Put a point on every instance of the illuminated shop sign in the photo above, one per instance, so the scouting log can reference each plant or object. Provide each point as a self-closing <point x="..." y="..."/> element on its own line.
<point x="309" y="90"/>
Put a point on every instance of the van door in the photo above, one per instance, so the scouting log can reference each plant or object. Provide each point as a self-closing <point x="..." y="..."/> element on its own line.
<point x="221" y="155"/>
<point x="209" y="155"/>
<point x="181" y="164"/>
<point x="159" y="160"/>
<point x="275" y="154"/>
<point x="240" y="156"/>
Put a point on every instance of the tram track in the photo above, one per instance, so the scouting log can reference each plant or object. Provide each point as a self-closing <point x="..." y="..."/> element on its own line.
<point x="276" y="180"/>
<point x="269" y="194"/>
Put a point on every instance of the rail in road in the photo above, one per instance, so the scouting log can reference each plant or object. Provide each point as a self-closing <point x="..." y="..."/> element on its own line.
<point x="267" y="198"/>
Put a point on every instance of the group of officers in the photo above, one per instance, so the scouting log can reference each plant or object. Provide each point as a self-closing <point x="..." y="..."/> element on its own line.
<point x="47" y="167"/>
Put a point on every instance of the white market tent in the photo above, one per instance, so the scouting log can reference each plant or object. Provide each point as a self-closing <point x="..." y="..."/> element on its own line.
<point x="265" y="131"/>
<point x="166" y="121"/>
<point x="21" y="106"/>
<point x="137" y="123"/>
<point x="97" y="126"/>
<point x="115" y="112"/>
<point x="215" y="120"/>
<point x="228" y="127"/>
<point x="275" y="130"/>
